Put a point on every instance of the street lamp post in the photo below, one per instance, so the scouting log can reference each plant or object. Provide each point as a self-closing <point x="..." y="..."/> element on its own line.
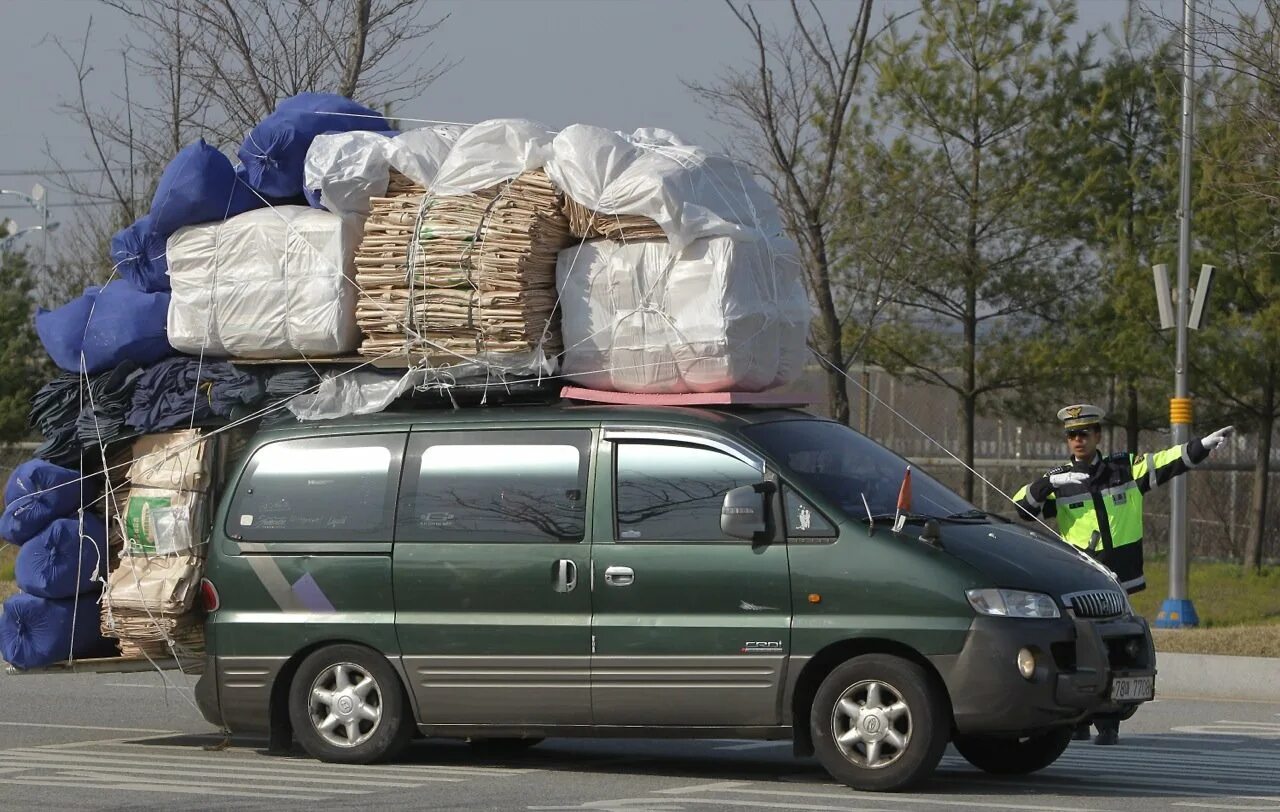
<point x="1178" y="611"/>
<point x="38" y="200"/>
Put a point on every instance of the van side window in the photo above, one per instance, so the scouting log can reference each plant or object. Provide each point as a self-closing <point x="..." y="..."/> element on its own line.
<point x="319" y="489"/>
<point x="495" y="486"/>
<point x="672" y="492"/>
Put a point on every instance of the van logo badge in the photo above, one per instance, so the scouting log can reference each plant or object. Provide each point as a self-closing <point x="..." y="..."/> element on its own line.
<point x="762" y="647"/>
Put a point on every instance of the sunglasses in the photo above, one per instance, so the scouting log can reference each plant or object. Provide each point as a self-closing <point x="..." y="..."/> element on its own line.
<point x="1074" y="433"/>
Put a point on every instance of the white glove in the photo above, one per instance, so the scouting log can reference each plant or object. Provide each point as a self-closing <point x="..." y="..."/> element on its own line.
<point x="1068" y="478"/>
<point x="1212" y="442"/>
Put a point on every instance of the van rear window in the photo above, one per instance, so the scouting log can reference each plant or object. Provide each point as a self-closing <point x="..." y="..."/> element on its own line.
<point x="495" y="486"/>
<point x="319" y="489"/>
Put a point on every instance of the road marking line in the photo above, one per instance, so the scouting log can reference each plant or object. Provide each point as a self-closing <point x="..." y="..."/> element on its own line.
<point x="718" y="785"/>
<point x="87" y="727"/>
<point x="74" y="760"/>
<point x="46" y="781"/>
<point x="95" y="775"/>
<point x="212" y="770"/>
<point x="1224" y="806"/>
<point x="193" y="752"/>
<point x="929" y="800"/>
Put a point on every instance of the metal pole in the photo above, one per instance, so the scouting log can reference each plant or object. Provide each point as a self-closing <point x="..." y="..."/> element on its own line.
<point x="1178" y="610"/>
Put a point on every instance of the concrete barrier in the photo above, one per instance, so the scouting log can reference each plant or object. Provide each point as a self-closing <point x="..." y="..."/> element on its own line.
<point x="1213" y="676"/>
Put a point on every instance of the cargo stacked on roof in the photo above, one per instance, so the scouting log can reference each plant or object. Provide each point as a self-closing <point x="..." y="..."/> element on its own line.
<point x="457" y="264"/>
<point x="494" y="254"/>
<point x="692" y="287"/>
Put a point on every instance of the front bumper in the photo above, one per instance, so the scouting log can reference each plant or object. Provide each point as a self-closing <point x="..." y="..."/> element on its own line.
<point x="1076" y="661"/>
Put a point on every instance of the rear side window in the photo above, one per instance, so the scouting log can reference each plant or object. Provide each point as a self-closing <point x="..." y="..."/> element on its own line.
<point x="495" y="486"/>
<point x="672" y="492"/>
<point x="319" y="489"/>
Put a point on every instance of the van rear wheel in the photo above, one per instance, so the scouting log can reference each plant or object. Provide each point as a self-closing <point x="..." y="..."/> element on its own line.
<point x="1014" y="756"/>
<point x="879" y="723"/>
<point x="347" y="706"/>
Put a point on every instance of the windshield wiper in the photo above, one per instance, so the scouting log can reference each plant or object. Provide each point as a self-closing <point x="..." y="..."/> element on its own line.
<point x="973" y="515"/>
<point x="914" y="518"/>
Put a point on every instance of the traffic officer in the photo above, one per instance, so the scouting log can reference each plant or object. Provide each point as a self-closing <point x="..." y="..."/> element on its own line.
<point x="1097" y="501"/>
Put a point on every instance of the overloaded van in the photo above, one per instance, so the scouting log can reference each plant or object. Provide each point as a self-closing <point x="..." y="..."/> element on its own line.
<point x="509" y="574"/>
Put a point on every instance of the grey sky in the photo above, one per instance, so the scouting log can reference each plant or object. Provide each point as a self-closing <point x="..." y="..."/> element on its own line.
<point x="615" y="63"/>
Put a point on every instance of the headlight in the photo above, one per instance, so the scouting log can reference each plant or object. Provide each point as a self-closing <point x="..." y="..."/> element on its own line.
<point x="1012" y="603"/>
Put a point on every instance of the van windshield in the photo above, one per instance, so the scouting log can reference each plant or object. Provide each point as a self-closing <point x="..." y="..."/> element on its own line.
<point x="844" y="466"/>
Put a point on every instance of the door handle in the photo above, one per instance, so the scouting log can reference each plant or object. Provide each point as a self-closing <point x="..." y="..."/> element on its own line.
<point x="619" y="576"/>
<point x="564" y="575"/>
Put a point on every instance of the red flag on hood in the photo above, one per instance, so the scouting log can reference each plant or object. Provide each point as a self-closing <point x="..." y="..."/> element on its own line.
<point x="904" y="493"/>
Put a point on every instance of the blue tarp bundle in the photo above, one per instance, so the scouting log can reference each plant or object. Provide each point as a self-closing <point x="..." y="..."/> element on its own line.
<point x="198" y="186"/>
<point x="178" y="391"/>
<point x="38" y="492"/>
<point x="108" y="325"/>
<point x="274" y="153"/>
<point x="137" y="253"/>
<point x="35" y="632"/>
<point x="59" y="563"/>
<point x="126" y="325"/>
<point x="104" y="401"/>
<point x="62" y="330"/>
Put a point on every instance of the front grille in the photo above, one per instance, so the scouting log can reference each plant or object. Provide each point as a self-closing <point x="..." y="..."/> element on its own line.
<point x="1098" y="603"/>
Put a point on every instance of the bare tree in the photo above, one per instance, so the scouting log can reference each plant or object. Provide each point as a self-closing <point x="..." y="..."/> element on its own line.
<point x="793" y="110"/>
<point x="213" y="69"/>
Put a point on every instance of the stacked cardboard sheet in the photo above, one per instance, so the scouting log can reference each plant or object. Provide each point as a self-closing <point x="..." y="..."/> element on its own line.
<point x="454" y="278"/>
<point x="587" y="224"/>
<point x="150" y="597"/>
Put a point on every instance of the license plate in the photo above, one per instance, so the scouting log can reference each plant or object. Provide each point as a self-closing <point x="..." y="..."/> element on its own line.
<point x="1133" y="689"/>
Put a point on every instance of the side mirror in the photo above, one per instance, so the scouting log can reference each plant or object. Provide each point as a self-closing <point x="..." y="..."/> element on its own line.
<point x="745" y="512"/>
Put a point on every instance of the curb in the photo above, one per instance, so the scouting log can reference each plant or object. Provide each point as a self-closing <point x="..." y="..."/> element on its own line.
<point x="1215" y="676"/>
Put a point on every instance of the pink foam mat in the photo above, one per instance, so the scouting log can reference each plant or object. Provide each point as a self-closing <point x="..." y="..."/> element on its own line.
<point x="691" y="399"/>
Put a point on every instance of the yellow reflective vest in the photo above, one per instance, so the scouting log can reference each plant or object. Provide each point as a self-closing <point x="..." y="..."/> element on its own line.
<point x="1110" y="503"/>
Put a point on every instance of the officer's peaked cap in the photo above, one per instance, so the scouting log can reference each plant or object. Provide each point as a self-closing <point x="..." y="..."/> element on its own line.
<point x="1080" y="415"/>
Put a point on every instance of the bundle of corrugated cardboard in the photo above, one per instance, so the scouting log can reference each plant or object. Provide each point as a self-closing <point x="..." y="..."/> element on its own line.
<point x="454" y="278"/>
<point x="149" y="602"/>
<point x="587" y="224"/>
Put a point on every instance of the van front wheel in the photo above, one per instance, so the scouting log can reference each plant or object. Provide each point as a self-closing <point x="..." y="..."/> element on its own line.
<point x="879" y="723"/>
<point x="347" y="706"/>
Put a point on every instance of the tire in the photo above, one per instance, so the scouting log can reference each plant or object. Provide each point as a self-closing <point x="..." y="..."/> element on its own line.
<point x="1004" y="756"/>
<point x="879" y="723"/>
<point x="503" y="746"/>
<point x="347" y="706"/>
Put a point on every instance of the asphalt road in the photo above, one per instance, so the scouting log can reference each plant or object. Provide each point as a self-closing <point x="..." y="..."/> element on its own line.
<point x="127" y="742"/>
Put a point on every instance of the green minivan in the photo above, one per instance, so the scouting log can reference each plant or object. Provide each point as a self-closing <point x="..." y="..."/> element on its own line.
<point x="507" y="574"/>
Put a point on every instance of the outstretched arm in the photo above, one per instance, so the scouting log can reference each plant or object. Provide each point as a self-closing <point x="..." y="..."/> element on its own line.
<point x="1153" y="470"/>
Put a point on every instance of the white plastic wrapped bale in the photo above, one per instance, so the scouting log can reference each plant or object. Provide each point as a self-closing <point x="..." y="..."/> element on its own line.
<point x="418" y="154"/>
<point x="270" y="283"/>
<point x="723" y="316"/>
<point x="491" y="152"/>
<point x="688" y="192"/>
<point x="346" y="169"/>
